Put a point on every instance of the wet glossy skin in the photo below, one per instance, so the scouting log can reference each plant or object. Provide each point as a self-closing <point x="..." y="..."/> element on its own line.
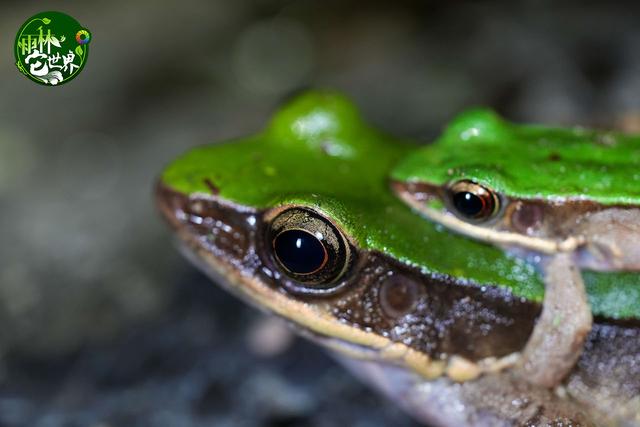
<point x="565" y="198"/>
<point x="403" y="306"/>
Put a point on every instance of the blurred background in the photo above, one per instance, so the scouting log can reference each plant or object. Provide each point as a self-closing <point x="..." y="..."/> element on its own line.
<point x="102" y="322"/>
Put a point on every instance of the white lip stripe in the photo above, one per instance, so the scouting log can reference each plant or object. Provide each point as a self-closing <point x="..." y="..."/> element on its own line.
<point x="545" y="246"/>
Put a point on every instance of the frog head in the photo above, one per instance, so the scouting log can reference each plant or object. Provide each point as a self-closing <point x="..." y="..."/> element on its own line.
<point x="521" y="186"/>
<point x="299" y="221"/>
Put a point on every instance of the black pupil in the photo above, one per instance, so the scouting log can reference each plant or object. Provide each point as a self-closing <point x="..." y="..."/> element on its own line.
<point x="468" y="204"/>
<point x="299" y="251"/>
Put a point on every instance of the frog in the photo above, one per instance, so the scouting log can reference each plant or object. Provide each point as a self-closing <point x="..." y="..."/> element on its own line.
<point x="568" y="199"/>
<point x="299" y="221"/>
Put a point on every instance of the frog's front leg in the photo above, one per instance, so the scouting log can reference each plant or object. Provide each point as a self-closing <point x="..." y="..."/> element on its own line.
<point x="558" y="337"/>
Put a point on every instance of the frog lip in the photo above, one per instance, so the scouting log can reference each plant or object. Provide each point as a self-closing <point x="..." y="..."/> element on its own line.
<point x="339" y="345"/>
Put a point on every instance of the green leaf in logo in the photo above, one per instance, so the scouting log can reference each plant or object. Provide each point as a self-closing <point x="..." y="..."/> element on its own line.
<point x="79" y="51"/>
<point x="46" y="21"/>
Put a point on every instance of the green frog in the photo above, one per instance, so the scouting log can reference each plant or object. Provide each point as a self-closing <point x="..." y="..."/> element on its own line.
<point x="299" y="221"/>
<point x="566" y="199"/>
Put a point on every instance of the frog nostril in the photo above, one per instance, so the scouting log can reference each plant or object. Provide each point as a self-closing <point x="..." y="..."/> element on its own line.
<point x="398" y="296"/>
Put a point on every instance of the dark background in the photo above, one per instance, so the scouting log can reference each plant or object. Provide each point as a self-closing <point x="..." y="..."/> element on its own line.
<point x="102" y="322"/>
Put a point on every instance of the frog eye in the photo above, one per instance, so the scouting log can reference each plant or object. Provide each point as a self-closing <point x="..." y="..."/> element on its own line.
<point x="473" y="201"/>
<point x="308" y="248"/>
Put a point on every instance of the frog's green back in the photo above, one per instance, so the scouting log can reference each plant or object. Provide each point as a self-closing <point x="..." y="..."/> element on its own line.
<point x="317" y="151"/>
<point x="528" y="161"/>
